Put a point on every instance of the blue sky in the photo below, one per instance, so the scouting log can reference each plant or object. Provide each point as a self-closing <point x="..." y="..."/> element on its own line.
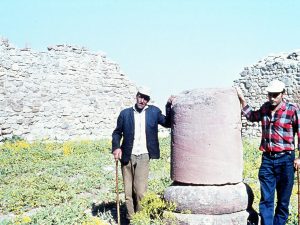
<point x="168" y="45"/>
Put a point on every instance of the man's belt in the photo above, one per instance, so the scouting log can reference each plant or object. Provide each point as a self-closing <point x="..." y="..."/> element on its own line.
<point x="277" y="154"/>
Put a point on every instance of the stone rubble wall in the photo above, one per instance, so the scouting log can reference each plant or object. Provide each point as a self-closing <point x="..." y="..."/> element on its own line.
<point x="69" y="92"/>
<point x="64" y="93"/>
<point x="255" y="78"/>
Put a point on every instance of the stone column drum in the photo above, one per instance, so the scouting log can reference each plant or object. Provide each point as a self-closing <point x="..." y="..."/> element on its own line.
<point x="207" y="159"/>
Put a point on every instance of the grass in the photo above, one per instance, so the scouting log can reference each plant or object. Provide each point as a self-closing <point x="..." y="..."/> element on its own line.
<point x="74" y="182"/>
<point x="54" y="183"/>
<point x="65" y="183"/>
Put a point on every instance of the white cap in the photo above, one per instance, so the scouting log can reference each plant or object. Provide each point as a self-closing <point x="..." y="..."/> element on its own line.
<point x="275" y="86"/>
<point x="144" y="91"/>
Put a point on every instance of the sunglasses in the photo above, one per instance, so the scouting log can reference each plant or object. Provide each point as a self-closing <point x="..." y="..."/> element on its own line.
<point x="274" y="95"/>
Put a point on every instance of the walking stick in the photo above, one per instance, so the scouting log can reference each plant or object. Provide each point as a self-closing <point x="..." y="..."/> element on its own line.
<point x="298" y="181"/>
<point x="117" y="192"/>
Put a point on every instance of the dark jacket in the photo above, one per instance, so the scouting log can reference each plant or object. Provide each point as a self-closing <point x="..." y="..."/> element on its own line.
<point x="125" y="130"/>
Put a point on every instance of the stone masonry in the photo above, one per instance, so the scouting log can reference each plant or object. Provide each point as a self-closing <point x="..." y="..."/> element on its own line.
<point x="255" y="78"/>
<point x="69" y="92"/>
<point x="64" y="93"/>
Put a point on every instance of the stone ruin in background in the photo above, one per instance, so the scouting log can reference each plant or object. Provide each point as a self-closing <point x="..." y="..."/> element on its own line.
<point x="69" y="92"/>
<point x="207" y="160"/>
<point x="255" y="78"/>
<point x="64" y="93"/>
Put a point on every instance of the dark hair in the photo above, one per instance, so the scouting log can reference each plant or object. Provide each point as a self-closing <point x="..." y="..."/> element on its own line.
<point x="146" y="97"/>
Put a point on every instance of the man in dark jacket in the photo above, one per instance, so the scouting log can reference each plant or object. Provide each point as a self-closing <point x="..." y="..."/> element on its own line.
<point x="137" y="126"/>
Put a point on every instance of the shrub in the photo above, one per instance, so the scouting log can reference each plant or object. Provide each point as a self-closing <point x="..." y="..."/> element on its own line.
<point x="12" y="139"/>
<point x="153" y="208"/>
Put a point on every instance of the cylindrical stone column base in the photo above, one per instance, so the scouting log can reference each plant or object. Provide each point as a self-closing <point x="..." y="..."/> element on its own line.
<point x="212" y="200"/>
<point x="237" y="218"/>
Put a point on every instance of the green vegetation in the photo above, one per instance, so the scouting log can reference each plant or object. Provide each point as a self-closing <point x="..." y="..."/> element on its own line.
<point x="155" y="211"/>
<point x="53" y="183"/>
<point x="74" y="183"/>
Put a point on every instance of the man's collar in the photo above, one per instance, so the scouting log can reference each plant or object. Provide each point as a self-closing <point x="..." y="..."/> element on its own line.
<point x="282" y="106"/>
<point x="134" y="109"/>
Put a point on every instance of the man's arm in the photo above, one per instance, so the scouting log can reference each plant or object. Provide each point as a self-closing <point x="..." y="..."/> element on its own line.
<point x="252" y="116"/>
<point x="116" y="138"/>
<point x="241" y="97"/>
<point x="165" y="121"/>
<point x="168" y="109"/>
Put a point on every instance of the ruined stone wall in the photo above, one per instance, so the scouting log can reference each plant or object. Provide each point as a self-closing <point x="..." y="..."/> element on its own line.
<point x="255" y="78"/>
<point x="64" y="93"/>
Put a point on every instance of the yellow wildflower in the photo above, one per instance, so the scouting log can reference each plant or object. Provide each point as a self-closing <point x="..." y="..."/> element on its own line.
<point x="67" y="148"/>
<point x="16" y="146"/>
<point x="95" y="221"/>
<point x="26" y="219"/>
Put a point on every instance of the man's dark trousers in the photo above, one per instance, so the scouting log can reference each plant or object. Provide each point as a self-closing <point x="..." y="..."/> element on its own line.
<point x="276" y="172"/>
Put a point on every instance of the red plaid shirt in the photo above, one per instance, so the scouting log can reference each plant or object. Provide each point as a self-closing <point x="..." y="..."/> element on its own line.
<point x="278" y="131"/>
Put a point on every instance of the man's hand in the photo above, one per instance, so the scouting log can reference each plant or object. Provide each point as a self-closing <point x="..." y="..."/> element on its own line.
<point x="241" y="96"/>
<point x="297" y="163"/>
<point x="117" y="154"/>
<point x="171" y="99"/>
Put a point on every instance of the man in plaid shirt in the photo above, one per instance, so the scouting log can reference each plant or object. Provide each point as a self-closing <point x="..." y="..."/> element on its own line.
<point x="279" y="121"/>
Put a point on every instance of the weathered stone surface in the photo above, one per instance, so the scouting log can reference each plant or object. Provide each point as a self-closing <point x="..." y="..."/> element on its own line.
<point x="66" y="81"/>
<point x="212" y="200"/>
<point x="206" y="139"/>
<point x="238" y="218"/>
